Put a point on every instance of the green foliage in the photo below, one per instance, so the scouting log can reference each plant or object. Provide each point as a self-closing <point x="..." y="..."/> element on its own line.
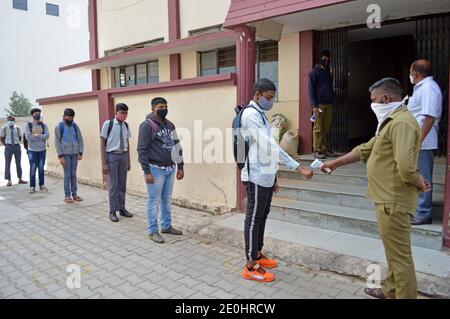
<point x="19" y="105"/>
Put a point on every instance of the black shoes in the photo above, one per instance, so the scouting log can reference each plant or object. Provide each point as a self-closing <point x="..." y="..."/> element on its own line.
<point x="113" y="217"/>
<point x="172" y="231"/>
<point x="125" y="213"/>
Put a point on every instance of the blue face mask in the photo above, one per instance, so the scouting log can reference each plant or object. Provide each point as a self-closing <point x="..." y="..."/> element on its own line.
<point x="265" y="104"/>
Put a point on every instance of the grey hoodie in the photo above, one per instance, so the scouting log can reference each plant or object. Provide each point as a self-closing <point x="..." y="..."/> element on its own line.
<point x="71" y="142"/>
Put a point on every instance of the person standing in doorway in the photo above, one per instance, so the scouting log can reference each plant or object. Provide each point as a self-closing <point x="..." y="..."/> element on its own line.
<point x="321" y="96"/>
<point x="394" y="184"/>
<point x="11" y="136"/>
<point x="259" y="177"/>
<point x="114" y="143"/>
<point x="36" y="136"/>
<point x="160" y="155"/>
<point x="69" y="148"/>
<point x="426" y="106"/>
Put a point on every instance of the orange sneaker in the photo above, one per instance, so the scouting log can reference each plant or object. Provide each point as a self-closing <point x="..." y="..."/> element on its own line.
<point x="267" y="262"/>
<point x="257" y="274"/>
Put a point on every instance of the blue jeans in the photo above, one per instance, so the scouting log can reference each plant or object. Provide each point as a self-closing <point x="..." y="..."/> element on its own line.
<point x="70" y="175"/>
<point x="424" y="203"/>
<point x="37" y="162"/>
<point x="160" y="196"/>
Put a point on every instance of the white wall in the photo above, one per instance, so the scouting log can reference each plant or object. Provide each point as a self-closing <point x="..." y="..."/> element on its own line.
<point x="34" y="45"/>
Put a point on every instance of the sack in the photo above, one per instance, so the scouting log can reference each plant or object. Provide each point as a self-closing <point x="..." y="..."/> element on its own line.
<point x="290" y="141"/>
<point x="279" y="126"/>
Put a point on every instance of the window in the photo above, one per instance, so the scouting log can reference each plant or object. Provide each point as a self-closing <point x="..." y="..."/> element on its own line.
<point x="52" y="9"/>
<point x="267" y="61"/>
<point x="141" y="73"/>
<point x="224" y="61"/>
<point x="153" y="72"/>
<point x="218" y="61"/>
<point x="20" y="4"/>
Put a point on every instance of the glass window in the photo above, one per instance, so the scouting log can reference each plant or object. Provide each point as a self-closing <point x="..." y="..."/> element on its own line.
<point x="141" y="73"/>
<point x="119" y="77"/>
<point x="267" y="61"/>
<point x="52" y="9"/>
<point x="20" y="4"/>
<point x="153" y="72"/>
<point x="130" y="75"/>
<point x="208" y="61"/>
<point x="227" y="60"/>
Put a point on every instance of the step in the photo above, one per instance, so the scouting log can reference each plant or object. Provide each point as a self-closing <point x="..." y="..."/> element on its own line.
<point x="361" y="222"/>
<point x="347" y="254"/>
<point x="340" y="195"/>
<point x="354" y="174"/>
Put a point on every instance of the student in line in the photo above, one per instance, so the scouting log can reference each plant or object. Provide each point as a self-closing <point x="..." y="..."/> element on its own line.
<point x="11" y="136"/>
<point x="36" y="136"/>
<point x="114" y="143"/>
<point x="161" y="159"/>
<point x="69" y="148"/>
<point x="259" y="177"/>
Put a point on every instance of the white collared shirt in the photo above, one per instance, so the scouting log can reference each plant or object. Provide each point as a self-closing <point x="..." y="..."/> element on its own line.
<point x="265" y="154"/>
<point x="427" y="100"/>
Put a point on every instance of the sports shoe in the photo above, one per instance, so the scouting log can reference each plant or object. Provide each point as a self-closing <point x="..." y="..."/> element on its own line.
<point x="257" y="274"/>
<point x="32" y="190"/>
<point x="267" y="262"/>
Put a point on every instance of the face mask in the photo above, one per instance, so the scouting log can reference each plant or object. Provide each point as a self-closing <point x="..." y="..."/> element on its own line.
<point x="411" y="78"/>
<point x="324" y="63"/>
<point x="162" y="113"/>
<point x="11" y="123"/>
<point x="37" y="117"/>
<point x="265" y="104"/>
<point x="68" y="122"/>
<point x="382" y="110"/>
<point x="121" y="117"/>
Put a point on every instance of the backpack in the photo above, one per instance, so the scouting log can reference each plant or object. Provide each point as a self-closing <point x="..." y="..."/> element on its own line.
<point x="154" y="126"/>
<point x="61" y="130"/>
<point x="241" y="146"/>
<point x="110" y="126"/>
<point x="30" y="127"/>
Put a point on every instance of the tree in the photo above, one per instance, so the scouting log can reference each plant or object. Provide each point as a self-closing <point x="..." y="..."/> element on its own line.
<point x="19" y="105"/>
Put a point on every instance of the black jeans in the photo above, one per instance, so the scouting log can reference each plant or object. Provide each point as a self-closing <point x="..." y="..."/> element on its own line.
<point x="259" y="200"/>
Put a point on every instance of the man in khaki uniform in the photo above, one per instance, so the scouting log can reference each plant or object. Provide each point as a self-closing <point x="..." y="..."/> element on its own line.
<point x="394" y="184"/>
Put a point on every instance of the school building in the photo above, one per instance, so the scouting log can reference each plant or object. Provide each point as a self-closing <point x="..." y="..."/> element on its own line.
<point x="204" y="56"/>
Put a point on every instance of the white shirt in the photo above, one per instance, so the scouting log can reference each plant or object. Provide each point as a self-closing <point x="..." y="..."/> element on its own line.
<point x="264" y="154"/>
<point x="113" y="143"/>
<point x="427" y="100"/>
<point x="14" y="138"/>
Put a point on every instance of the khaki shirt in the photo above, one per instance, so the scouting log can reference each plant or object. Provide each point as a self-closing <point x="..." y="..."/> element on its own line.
<point x="391" y="159"/>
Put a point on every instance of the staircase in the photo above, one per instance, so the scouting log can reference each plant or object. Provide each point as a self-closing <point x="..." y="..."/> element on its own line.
<point x="339" y="203"/>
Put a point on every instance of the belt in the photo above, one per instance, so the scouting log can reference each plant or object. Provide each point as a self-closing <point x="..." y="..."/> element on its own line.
<point x="163" y="167"/>
<point x="117" y="152"/>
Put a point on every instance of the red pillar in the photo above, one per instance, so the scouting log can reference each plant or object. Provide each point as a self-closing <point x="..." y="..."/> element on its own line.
<point x="245" y="69"/>
<point x="93" y="42"/>
<point x="174" y="34"/>
<point x="446" y="221"/>
<point x="105" y="112"/>
<point x="306" y="65"/>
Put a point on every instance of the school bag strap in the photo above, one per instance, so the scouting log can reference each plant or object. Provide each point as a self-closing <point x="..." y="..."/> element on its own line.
<point x="110" y="127"/>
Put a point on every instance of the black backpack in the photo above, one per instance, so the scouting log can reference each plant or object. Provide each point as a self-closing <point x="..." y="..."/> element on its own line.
<point x="110" y="126"/>
<point x="241" y="145"/>
<point x="30" y="127"/>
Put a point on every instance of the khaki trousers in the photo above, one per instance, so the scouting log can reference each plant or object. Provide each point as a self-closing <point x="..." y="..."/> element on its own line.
<point x="395" y="231"/>
<point x="322" y="127"/>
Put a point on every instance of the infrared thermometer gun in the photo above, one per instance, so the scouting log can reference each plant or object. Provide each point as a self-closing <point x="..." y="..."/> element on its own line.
<point x="317" y="164"/>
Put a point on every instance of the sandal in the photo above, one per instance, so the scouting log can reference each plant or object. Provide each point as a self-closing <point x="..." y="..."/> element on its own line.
<point x="375" y="293"/>
<point x="68" y="200"/>
<point x="77" y="199"/>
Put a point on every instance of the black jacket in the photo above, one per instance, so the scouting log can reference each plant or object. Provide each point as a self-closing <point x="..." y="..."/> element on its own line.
<point x="159" y="147"/>
<point x="320" y="86"/>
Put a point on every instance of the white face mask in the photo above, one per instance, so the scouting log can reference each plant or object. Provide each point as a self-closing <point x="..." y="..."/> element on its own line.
<point x="411" y="78"/>
<point x="10" y="123"/>
<point x="382" y="110"/>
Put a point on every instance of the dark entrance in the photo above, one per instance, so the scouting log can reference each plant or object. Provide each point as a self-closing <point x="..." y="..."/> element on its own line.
<point x="361" y="56"/>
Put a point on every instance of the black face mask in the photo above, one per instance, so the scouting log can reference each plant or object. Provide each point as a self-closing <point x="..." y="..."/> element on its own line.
<point x="162" y="113"/>
<point x="324" y="63"/>
<point x="68" y="122"/>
